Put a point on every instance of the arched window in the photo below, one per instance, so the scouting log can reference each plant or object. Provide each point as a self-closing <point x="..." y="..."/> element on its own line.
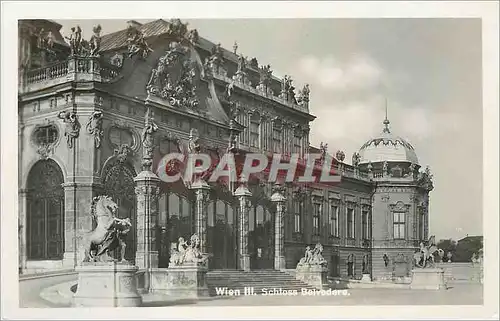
<point x="45" y="212"/>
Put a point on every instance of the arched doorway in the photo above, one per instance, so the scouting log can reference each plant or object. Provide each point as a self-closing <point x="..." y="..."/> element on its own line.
<point x="45" y="212"/>
<point x="120" y="186"/>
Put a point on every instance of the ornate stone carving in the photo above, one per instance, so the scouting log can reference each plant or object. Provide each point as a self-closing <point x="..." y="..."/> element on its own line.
<point x="193" y="36"/>
<point x="303" y="96"/>
<point x="72" y="128"/>
<point x="385" y="169"/>
<point x="150" y="128"/>
<point x="396" y="171"/>
<point x="194" y="145"/>
<point x="82" y="47"/>
<point x="95" y="41"/>
<point x="411" y="171"/>
<point x="94" y="127"/>
<point x="122" y="153"/>
<point x="385" y="198"/>
<point x="137" y="45"/>
<point x="183" y="254"/>
<point x="177" y="29"/>
<point x="117" y="60"/>
<point x="241" y="74"/>
<point x="425" y="179"/>
<point x="265" y="77"/>
<point x="288" y="90"/>
<point x="213" y="64"/>
<point x="425" y="256"/>
<point x="356" y="159"/>
<point x="173" y="78"/>
<point x="399" y="207"/>
<point x="254" y="63"/>
<point x="340" y="156"/>
<point x="108" y="235"/>
<point x="313" y="257"/>
<point x="323" y="149"/>
<point x="44" y="138"/>
<point x="75" y="40"/>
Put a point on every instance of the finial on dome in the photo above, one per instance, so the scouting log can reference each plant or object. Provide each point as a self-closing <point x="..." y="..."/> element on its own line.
<point x="386" y="120"/>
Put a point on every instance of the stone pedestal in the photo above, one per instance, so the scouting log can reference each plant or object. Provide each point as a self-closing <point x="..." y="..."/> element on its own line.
<point x="107" y="285"/>
<point x="428" y="279"/>
<point x="314" y="275"/>
<point x="366" y="278"/>
<point x="185" y="281"/>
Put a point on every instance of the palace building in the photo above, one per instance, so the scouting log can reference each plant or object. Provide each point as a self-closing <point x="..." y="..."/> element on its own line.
<point x="83" y="109"/>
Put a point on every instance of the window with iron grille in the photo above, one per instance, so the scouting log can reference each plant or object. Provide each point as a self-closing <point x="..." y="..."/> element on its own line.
<point x="399" y="225"/>
<point x="334" y="220"/>
<point x="350" y="223"/>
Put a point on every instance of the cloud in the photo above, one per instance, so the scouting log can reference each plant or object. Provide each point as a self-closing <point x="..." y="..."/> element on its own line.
<point x="360" y="72"/>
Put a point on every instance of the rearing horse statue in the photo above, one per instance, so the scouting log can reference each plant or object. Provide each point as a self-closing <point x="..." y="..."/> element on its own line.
<point x="108" y="234"/>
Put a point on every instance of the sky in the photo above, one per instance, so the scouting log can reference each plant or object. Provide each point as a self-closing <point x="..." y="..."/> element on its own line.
<point x="428" y="70"/>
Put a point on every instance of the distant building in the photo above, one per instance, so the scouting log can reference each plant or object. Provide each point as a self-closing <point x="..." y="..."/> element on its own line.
<point x="375" y="217"/>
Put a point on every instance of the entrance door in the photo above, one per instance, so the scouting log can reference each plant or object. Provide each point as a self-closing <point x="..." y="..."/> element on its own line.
<point x="261" y="238"/>
<point x="334" y="265"/>
<point x="45" y="215"/>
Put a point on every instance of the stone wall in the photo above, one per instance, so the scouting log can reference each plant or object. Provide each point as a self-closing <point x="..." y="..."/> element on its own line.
<point x="462" y="272"/>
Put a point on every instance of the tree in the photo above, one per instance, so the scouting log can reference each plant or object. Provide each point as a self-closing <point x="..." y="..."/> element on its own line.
<point x="448" y="245"/>
<point x="466" y="247"/>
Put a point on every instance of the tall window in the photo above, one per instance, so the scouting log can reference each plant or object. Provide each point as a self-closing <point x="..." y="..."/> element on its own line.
<point x="399" y="225"/>
<point x="277" y="140"/>
<point x="364" y="225"/>
<point x="316" y="216"/>
<point x="350" y="223"/>
<point x="421" y="226"/>
<point x="297" y="148"/>
<point x="334" y="220"/>
<point x="254" y="132"/>
<point x="296" y="217"/>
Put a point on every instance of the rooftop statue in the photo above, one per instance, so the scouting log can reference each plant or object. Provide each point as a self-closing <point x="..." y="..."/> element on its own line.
<point x="95" y="41"/>
<point x="425" y="256"/>
<point x="109" y="233"/>
<point x="137" y="45"/>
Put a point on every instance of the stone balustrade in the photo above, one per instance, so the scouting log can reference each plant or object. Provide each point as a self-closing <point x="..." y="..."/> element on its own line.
<point x="73" y="69"/>
<point x="258" y="92"/>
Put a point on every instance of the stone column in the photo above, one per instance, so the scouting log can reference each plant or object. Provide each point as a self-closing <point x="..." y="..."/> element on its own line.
<point x="201" y="190"/>
<point x="279" y="255"/>
<point x="147" y="191"/>
<point x="243" y="195"/>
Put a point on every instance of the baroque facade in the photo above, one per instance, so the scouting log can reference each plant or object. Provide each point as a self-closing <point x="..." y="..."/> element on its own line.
<point x="88" y="109"/>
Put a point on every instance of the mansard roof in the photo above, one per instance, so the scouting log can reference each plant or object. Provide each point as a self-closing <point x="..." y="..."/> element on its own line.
<point x="156" y="28"/>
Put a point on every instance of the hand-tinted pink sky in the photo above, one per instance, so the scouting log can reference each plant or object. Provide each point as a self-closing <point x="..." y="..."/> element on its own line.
<point x="428" y="69"/>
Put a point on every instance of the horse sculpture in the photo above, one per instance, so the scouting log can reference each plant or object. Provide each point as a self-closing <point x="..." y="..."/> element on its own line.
<point x="425" y="256"/>
<point x="108" y="234"/>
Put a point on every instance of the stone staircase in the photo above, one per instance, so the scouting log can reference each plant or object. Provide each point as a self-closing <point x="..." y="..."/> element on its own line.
<point x="258" y="279"/>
